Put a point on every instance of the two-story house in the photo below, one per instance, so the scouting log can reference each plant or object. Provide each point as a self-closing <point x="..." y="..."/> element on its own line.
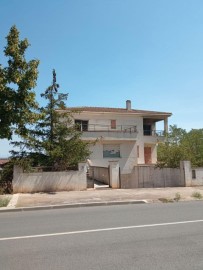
<point x="122" y="134"/>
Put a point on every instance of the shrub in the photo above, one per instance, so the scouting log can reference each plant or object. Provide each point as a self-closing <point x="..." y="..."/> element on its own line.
<point x="197" y="195"/>
<point x="177" y="197"/>
<point x="4" y="202"/>
<point x="166" y="200"/>
<point x="6" y="179"/>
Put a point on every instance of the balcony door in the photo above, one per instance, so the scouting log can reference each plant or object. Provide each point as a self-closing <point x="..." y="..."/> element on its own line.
<point x="147" y="129"/>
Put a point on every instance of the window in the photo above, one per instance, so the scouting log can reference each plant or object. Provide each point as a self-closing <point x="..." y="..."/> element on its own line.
<point x="111" y="151"/>
<point x="81" y="125"/>
<point x="113" y="124"/>
<point x="138" y="151"/>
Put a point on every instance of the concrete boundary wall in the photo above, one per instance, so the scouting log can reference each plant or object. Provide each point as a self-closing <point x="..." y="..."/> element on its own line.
<point x="145" y="176"/>
<point x="49" y="181"/>
<point x="149" y="176"/>
<point x="197" y="176"/>
<point x="152" y="177"/>
<point x="193" y="176"/>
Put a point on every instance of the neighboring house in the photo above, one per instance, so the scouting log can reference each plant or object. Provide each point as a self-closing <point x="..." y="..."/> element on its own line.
<point x="3" y="162"/>
<point x="122" y="134"/>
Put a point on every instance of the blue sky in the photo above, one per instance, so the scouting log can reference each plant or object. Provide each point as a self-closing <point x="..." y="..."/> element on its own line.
<point x="108" y="51"/>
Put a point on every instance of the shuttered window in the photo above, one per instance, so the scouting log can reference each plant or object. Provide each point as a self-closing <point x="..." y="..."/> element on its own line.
<point x="113" y="124"/>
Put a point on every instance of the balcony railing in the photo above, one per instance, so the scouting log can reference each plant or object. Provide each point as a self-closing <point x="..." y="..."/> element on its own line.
<point x="106" y="128"/>
<point x="159" y="133"/>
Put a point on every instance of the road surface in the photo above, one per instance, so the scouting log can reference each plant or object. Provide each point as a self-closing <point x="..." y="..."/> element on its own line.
<point x="147" y="236"/>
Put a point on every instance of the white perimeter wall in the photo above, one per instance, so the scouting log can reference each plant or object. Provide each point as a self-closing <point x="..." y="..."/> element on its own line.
<point x="49" y="181"/>
<point x="198" y="181"/>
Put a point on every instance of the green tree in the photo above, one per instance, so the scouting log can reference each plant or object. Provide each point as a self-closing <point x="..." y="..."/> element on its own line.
<point x="17" y="79"/>
<point x="181" y="145"/>
<point x="193" y="145"/>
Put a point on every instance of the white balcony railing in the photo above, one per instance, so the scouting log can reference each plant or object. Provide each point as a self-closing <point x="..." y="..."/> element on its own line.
<point x="107" y="128"/>
<point x="105" y="132"/>
<point x="157" y="133"/>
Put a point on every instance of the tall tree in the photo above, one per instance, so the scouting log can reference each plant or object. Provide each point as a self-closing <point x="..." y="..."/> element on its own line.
<point x="55" y="141"/>
<point x="60" y="138"/>
<point x="17" y="79"/>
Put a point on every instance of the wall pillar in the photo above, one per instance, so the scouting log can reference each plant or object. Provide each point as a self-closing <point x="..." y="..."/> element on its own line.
<point x="114" y="174"/>
<point x="186" y="173"/>
<point x="82" y="166"/>
<point x="17" y="170"/>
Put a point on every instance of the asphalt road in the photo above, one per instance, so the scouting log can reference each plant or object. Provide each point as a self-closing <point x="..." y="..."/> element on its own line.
<point x="149" y="236"/>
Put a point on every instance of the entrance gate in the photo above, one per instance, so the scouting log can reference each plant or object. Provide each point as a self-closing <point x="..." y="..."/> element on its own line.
<point x="100" y="174"/>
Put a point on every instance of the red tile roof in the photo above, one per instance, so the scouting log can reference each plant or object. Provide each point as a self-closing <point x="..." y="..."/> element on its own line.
<point x="116" y="110"/>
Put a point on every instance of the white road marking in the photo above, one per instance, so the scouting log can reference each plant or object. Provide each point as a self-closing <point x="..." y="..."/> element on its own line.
<point x="100" y="230"/>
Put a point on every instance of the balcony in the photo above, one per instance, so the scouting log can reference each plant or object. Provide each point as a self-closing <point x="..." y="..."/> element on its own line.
<point x="153" y="136"/>
<point x="106" y="132"/>
<point x="157" y="133"/>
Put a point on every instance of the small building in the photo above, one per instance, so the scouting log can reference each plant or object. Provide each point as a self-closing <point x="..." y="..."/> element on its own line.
<point x="121" y="134"/>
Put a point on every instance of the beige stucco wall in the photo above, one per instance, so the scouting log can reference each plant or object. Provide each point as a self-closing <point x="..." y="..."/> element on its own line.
<point x="127" y="160"/>
<point x="104" y="119"/>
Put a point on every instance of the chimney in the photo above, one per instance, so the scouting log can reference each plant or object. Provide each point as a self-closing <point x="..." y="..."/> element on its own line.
<point x="128" y="105"/>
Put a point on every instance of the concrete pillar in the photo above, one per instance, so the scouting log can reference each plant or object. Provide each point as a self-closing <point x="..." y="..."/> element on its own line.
<point x="154" y="153"/>
<point x="166" y="125"/>
<point x="82" y="166"/>
<point x="17" y="171"/>
<point x="114" y="174"/>
<point x="141" y="159"/>
<point x="186" y="173"/>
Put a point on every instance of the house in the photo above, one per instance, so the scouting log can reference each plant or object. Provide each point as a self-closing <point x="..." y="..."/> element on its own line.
<point x="122" y="134"/>
<point x="3" y="162"/>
